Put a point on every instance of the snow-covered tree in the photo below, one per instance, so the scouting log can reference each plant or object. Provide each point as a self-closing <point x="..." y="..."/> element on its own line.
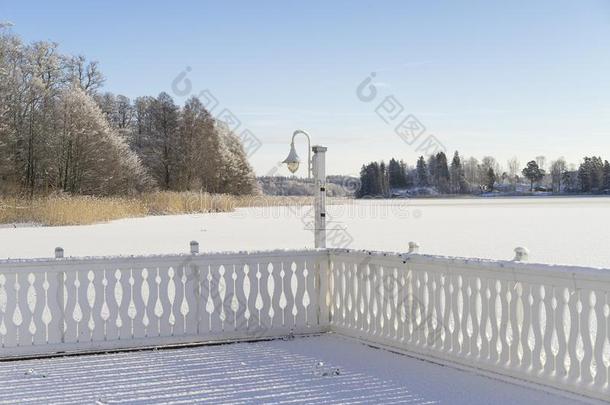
<point x="441" y="174"/>
<point x="558" y="168"/>
<point x="236" y="173"/>
<point x="533" y="173"/>
<point x="541" y="162"/>
<point x="513" y="171"/>
<point x="606" y="175"/>
<point x="91" y="158"/>
<point x="161" y="150"/>
<point x="397" y="174"/>
<point x="491" y="179"/>
<point x="422" y="172"/>
<point x="142" y="124"/>
<point x="86" y="75"/>
<point x="471" y="171"/>
<point x="591" y="174"/>
<point x="46" y="140"/>
<point x="458" y="178"/>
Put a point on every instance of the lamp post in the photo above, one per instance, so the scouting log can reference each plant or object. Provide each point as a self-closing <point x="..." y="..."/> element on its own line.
<point x="316" y="165"/>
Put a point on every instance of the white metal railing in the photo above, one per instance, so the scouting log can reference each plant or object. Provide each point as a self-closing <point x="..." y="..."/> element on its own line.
<point x="545" y="324"/>
<point x="66" y="305"/>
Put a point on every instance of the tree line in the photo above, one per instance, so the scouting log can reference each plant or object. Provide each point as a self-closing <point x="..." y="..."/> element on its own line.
<point x="336" y="186"/>
<point x="437" y="175"/>
<point x="59" y="132"/>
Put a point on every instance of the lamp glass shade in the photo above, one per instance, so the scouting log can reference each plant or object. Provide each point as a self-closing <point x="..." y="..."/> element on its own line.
<point x="293" y="160"/>
<point x="293" y="166"/>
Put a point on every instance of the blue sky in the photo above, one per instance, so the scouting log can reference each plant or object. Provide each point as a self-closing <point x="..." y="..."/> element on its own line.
<point x="522" y="78"/>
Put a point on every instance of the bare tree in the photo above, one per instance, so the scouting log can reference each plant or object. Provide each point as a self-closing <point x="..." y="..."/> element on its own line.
<point x="541" y="161"/>
<point x="558" y="169"/>
<point x="86" y="74"/>
<point x="471" y="171"/>
<point x="513" y="171"/>
<point x="161" y="148"/>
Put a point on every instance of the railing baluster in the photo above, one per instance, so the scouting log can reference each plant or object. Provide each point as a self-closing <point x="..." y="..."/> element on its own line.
<point x="504" y="322"/>
<point x="585" y="330"/>
<point x="475" y="351"/>
<point x="574" y="372"/>
<point x="323" y="298"/>
<point x="601" y="336"/>
<point x="561" y="294"/>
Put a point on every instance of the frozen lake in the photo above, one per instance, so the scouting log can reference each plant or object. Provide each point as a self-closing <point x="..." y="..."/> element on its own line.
<point x="556" y="230"/>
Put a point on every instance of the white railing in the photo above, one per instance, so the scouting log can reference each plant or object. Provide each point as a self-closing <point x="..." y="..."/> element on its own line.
<point x="544" y="324"/>
<point x="67" y="305"/>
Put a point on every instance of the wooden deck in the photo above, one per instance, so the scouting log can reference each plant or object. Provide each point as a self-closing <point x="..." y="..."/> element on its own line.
<point x="275" y="372"/>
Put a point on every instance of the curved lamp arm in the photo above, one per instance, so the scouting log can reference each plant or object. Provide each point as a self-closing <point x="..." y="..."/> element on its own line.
<point x="309" y="163"/>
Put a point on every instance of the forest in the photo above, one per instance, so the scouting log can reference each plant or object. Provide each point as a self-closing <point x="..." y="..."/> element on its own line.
<point x="437" y="176"/>
<point x="61" y="133"/>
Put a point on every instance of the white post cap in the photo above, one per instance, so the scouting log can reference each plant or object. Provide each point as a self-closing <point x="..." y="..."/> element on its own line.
<point x="413" y="247"/>
<point x="521" y="254"/>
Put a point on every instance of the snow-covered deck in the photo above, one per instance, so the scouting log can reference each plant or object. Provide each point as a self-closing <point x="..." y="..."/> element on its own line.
<point x="278" y="371"/>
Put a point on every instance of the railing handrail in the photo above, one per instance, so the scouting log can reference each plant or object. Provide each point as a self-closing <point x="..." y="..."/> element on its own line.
<point x="501" y="266"/>
<point x="53" y="263"/>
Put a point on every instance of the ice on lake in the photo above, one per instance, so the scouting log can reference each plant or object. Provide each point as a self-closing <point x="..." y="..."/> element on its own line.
<point x="556" y="230"/>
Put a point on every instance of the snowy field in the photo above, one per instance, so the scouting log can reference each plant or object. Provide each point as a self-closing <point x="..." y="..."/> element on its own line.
<point x="556" y="230"/>
<point x="275" y="372"/>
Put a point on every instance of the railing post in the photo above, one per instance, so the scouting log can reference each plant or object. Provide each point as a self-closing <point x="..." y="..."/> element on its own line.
<point x="194" y="247"/>
<point x="319" y="174"/>
<point x="521" y="254"/>
<point x="61" y="280"/>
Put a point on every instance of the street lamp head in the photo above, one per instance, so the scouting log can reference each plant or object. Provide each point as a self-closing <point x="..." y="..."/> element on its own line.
<point x="292" y="161"/>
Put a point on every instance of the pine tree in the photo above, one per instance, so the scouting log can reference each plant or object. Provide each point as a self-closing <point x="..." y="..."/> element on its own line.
<point x="584" y="175"/>
<point x="533" y="173"/>
<point x="365" y="184"/>
<point x="491" y="179"/>
<point x="606" y="176"/>
<point x="395" y="176"/>
<point x="597" y="173"/>
<point x="458" y="179"/>
<point x="422" y="173"/>
<point x="384" y="189"/>
<point x="404" y="171"/>
<point x="443" y="177"/>
<point x="432" y="167"/>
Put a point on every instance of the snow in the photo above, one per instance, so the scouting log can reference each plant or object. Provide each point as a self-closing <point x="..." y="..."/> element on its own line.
<point x="264" y="372"/>
<point x="570" y="231"/>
